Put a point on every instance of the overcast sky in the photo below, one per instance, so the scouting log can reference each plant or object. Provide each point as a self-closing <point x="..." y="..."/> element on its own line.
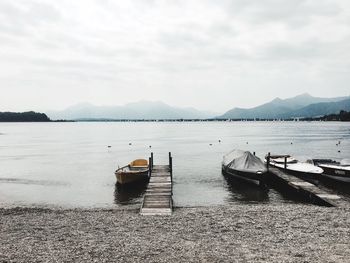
<point x="213" y="55"/>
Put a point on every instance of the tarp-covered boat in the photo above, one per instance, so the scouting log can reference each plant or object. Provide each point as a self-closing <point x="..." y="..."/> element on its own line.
<point x="136" y="171"/>
<point x="245" y="166"/>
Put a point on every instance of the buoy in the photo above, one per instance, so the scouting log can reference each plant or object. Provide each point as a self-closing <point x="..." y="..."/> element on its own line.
<point x="150" y="146"/>
<point x="246" y="142"/>
<point x="210" y="144"/>
<point x="291" y="143"/>
<point x="219" y="140"/>
<point x="129" y="143"/>
<point x="109" y="146"/>
<point x="339" y="151"/>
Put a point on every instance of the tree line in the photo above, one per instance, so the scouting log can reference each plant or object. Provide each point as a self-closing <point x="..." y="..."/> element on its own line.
<point x="29" y="116"/>
<point x="341" y="116"/>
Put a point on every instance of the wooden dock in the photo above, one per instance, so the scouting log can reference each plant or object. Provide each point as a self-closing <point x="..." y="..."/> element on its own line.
<point x="314" y="193"/>
<point x="158" y="197"/>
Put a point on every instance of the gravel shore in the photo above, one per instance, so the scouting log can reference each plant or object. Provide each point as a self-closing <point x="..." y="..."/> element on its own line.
<point x="239" y="233"/>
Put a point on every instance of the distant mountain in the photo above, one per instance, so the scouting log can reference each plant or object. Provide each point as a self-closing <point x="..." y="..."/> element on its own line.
<point x="303" y="105"/>
<point x="286" y="108"/>
<point x="320" y="109"/>
<point x="137" y="111"/>
<point x="306" y="99"/>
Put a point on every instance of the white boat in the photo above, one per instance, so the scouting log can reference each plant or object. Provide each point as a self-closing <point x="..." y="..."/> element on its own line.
<point x="305" y="170"/>
<point x="299" y="167"/>
<point x="283" y="158"/>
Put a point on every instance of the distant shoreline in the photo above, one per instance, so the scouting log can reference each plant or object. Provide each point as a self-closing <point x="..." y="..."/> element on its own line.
<point x="211" y="120"/>
<point x="185" y="120"/>
<point x="32" y="116"/>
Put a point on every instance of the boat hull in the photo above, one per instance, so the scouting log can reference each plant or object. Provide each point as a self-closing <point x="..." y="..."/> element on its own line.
<point x="131" y="177"/>
<point x="307" y="176"/>
<point x="336" y="174"/>
<point x="249" y="177"/>
<point x="340" y="179"/>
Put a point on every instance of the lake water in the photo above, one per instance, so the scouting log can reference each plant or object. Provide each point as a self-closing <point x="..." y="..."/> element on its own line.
<point x="70" y="165"/>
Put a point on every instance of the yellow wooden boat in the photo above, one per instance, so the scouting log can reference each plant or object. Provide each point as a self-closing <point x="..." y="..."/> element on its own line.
<point x="136" y="171"/>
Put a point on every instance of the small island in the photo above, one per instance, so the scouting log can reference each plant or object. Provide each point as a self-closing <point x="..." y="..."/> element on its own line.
<point x="29" y="116"/>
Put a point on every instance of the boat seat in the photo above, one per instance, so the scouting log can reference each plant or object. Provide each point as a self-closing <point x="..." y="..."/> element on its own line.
<point x="139" y="163"/>
<point x="137" y="167"/>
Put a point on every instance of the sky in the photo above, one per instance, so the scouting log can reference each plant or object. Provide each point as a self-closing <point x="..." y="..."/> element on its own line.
<point x="212" y="55"/>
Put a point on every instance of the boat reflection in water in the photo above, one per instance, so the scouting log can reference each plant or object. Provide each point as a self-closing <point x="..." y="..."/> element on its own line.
<point x="246" y="192"/>
<point x="129" y="194"/>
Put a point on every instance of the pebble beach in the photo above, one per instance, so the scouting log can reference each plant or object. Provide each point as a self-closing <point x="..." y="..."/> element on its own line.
<point x="239" y="233"/>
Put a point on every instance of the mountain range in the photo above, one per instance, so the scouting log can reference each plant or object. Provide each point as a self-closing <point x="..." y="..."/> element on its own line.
<point x="303" y="105"/>
<point x="135" y="111"/>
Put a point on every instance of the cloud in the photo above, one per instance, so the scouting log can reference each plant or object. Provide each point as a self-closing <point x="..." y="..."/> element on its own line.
<point x="292" y="13"/>
<point x="166" y="48"/>
<point x="19" y="17"/>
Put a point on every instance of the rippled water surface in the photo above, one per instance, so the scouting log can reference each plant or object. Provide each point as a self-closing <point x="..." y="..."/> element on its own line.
<point x="70" y="165"/>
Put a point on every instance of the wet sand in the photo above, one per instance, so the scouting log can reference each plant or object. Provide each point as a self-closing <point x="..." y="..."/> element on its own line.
<point x="239" y="233"/>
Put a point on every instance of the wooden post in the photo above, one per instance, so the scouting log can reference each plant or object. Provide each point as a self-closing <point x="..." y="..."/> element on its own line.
<point x="150" y="166"/>
<point x="285" y="162"/>
<point x="151" y="159"/>
<point x="171" y="171"/>
<point x="268" y="161"/>
<point x="254" y="153"/>
<point x="171" y="166"/>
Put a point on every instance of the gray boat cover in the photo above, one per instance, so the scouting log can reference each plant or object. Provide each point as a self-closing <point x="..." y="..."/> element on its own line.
<point x="243" y="161"/>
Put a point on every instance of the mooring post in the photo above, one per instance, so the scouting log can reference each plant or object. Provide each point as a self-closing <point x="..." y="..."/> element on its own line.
<point x="171" y="171"/>
<point x="268" y="161"/>
<point x="171" y="166"/>
<point x="150" y="166"/>
<point x="285" y="162"/>
<point x="151" y="160"/>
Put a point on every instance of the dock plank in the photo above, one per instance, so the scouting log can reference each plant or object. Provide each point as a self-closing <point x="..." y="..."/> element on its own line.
<point x="158" y="196"/>
<point x="322" y="195"/>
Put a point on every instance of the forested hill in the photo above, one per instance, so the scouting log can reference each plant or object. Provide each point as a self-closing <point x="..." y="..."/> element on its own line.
<point x="29" y="116"/>
<point x="342" y="116"/>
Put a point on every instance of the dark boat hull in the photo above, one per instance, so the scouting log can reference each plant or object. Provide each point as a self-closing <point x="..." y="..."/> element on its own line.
<point x="127" y="178"/>
<point x="333" y="171"/>
<point x="309" y="177"/>
<point x="249" y="177"/>
<point x="335" y="174"/>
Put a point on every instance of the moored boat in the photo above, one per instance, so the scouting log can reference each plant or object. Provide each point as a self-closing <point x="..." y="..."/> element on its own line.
<point x="283" y="159"/>
<point x="305" y="170"/>
<point x="334" y="170"/>
<point x="136" y="171"/>
<point x="245" y="166"/>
